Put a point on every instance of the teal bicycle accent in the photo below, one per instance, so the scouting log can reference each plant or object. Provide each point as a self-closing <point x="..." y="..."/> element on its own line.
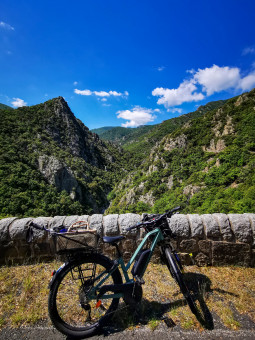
<point x="120" y="262"/>
<point x="85" y="291"/>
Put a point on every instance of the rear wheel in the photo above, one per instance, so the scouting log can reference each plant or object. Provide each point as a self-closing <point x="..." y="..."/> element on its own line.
<point x="71" y="308"/>
<point x="175" y="271"/>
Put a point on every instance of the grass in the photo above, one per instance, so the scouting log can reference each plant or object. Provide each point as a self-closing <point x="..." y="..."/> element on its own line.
<point x="228" y="292"/>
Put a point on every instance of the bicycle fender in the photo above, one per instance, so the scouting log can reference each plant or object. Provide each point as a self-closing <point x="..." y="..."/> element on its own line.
<point x="56" y="274"/>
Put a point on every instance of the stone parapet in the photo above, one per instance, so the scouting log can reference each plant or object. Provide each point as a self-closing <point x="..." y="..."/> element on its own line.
<point x="213" y="239"/>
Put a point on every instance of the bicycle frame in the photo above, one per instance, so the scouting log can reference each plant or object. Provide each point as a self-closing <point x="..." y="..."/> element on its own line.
<point x="158" y="236"/>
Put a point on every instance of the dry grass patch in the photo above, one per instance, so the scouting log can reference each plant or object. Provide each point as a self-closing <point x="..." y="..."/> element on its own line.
<point x="226" y="291"/>
<point x="24" y="294"/>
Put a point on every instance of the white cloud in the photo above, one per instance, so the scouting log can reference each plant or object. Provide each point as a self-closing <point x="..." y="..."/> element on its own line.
<point x="75" y="83"/>
<point x="216" y="79"/>
<point x="161" y="68"/>
<point x="203" y="83"/>
<point x="248" y="50"/>
<point x="6" y="26"/>
<point x="247" y="82"/>
<point x="101" y="93"/>
<point x="172" y="97"/>
<point x="175" y="109"/>
<point x="17" y="102"/>
<point x="137" y="116"/>
<point x="192" y="71"/>
<point x="83" y="92"/>
<point x="103" y="100"/>
<point x="116" y="94"/>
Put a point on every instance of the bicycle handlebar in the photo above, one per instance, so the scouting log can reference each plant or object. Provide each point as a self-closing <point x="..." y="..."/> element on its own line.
<point x="154" y="219"/>
<point x="36" y="226"/>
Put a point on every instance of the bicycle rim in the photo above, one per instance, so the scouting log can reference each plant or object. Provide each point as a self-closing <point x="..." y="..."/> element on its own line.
<point x="71" y="310"/>
<point x="177" y="275"/>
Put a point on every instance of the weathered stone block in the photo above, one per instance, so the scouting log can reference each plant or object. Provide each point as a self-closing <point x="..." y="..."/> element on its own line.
<point x="69" y="220"/>
<point x="205" y="246"/>
<point x="4" y="229"/>
<point x="226" y="253"/>
<point x="41" y="249"/>
<point x="110" y="223"/>
<point x="189" y="246"/>
<point x="96" y="222"/>
<point x="57" y="221"/>
<point x="253" y="258"/>
<point x="83" y="218"/>
<point x="212" y="229"/>
<point x="251" y="218"/>
<point x="196" y="226"/>
<point x="226" y="231"/>
<point x="128" y="245"/>
<point x="18" y="229"/>
<point x="241" y="227"/>
<point x="186" y="259"/>
<point x="179" y="225"/>
<point x="10" y="252"/>
<point x="109" y="250"/>
<point x="23" y="250"/>
<point x="39" y="235"/>
<point x="128" y="220"/>
<point x="202" y="260"/>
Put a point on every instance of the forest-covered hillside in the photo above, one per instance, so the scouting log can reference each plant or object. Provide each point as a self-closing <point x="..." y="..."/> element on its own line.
<point x="51" y="164"/>
<point x="206" y="164"/>
<point x="122" y="136"/>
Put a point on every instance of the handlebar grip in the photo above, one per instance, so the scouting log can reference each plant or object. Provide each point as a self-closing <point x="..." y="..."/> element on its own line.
<point x="134" y="226"/>
<point x="36" y="226"/>
<point x="171" y="212"/>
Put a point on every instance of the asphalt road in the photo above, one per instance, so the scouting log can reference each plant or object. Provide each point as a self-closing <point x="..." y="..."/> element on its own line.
<point x="46" y="333"/>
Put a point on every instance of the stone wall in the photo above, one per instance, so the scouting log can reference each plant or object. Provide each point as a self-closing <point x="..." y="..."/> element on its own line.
<point x="213" y="239"/>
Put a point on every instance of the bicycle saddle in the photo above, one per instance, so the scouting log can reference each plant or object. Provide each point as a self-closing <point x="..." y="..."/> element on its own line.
<point x="112" y="239"/>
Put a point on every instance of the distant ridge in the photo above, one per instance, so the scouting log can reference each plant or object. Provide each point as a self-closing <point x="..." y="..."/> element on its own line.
<point x="5" y="107"/>
<point x="122" y="135"/>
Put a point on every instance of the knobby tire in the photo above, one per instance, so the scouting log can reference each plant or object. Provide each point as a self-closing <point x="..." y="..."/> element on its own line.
<point x="174" y="269"/>
<point x="67" y="298"/>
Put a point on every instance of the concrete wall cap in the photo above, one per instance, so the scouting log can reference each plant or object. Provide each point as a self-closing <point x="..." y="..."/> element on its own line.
<point x="212" y="229"/>
<point x="225" y="228"/>
<point x="110" y="223"/>
<point x="179" y="225"/>
<point x="128" y="220"/>
<point x="196" y="225"/>
<point x="4" y="229"/>
<point x="18" y="229"/>
<point x="241" y="227"/>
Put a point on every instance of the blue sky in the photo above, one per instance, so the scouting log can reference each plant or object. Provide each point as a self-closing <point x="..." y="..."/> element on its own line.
<point x="126" y="62"/>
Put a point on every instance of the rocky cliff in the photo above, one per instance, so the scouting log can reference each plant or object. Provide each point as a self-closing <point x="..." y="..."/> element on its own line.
<point x="206" y="165"/>
<point x="51" y="162"/>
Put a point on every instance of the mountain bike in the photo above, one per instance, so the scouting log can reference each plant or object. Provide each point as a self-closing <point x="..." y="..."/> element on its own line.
<point x="85" y="291"/>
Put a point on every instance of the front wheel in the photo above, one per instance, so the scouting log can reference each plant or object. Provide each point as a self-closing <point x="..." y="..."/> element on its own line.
<point x="73" y="308"/>
<point x="174" y="269"/>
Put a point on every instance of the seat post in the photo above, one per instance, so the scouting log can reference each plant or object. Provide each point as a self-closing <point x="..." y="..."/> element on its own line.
<point x="118" y="249"/>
